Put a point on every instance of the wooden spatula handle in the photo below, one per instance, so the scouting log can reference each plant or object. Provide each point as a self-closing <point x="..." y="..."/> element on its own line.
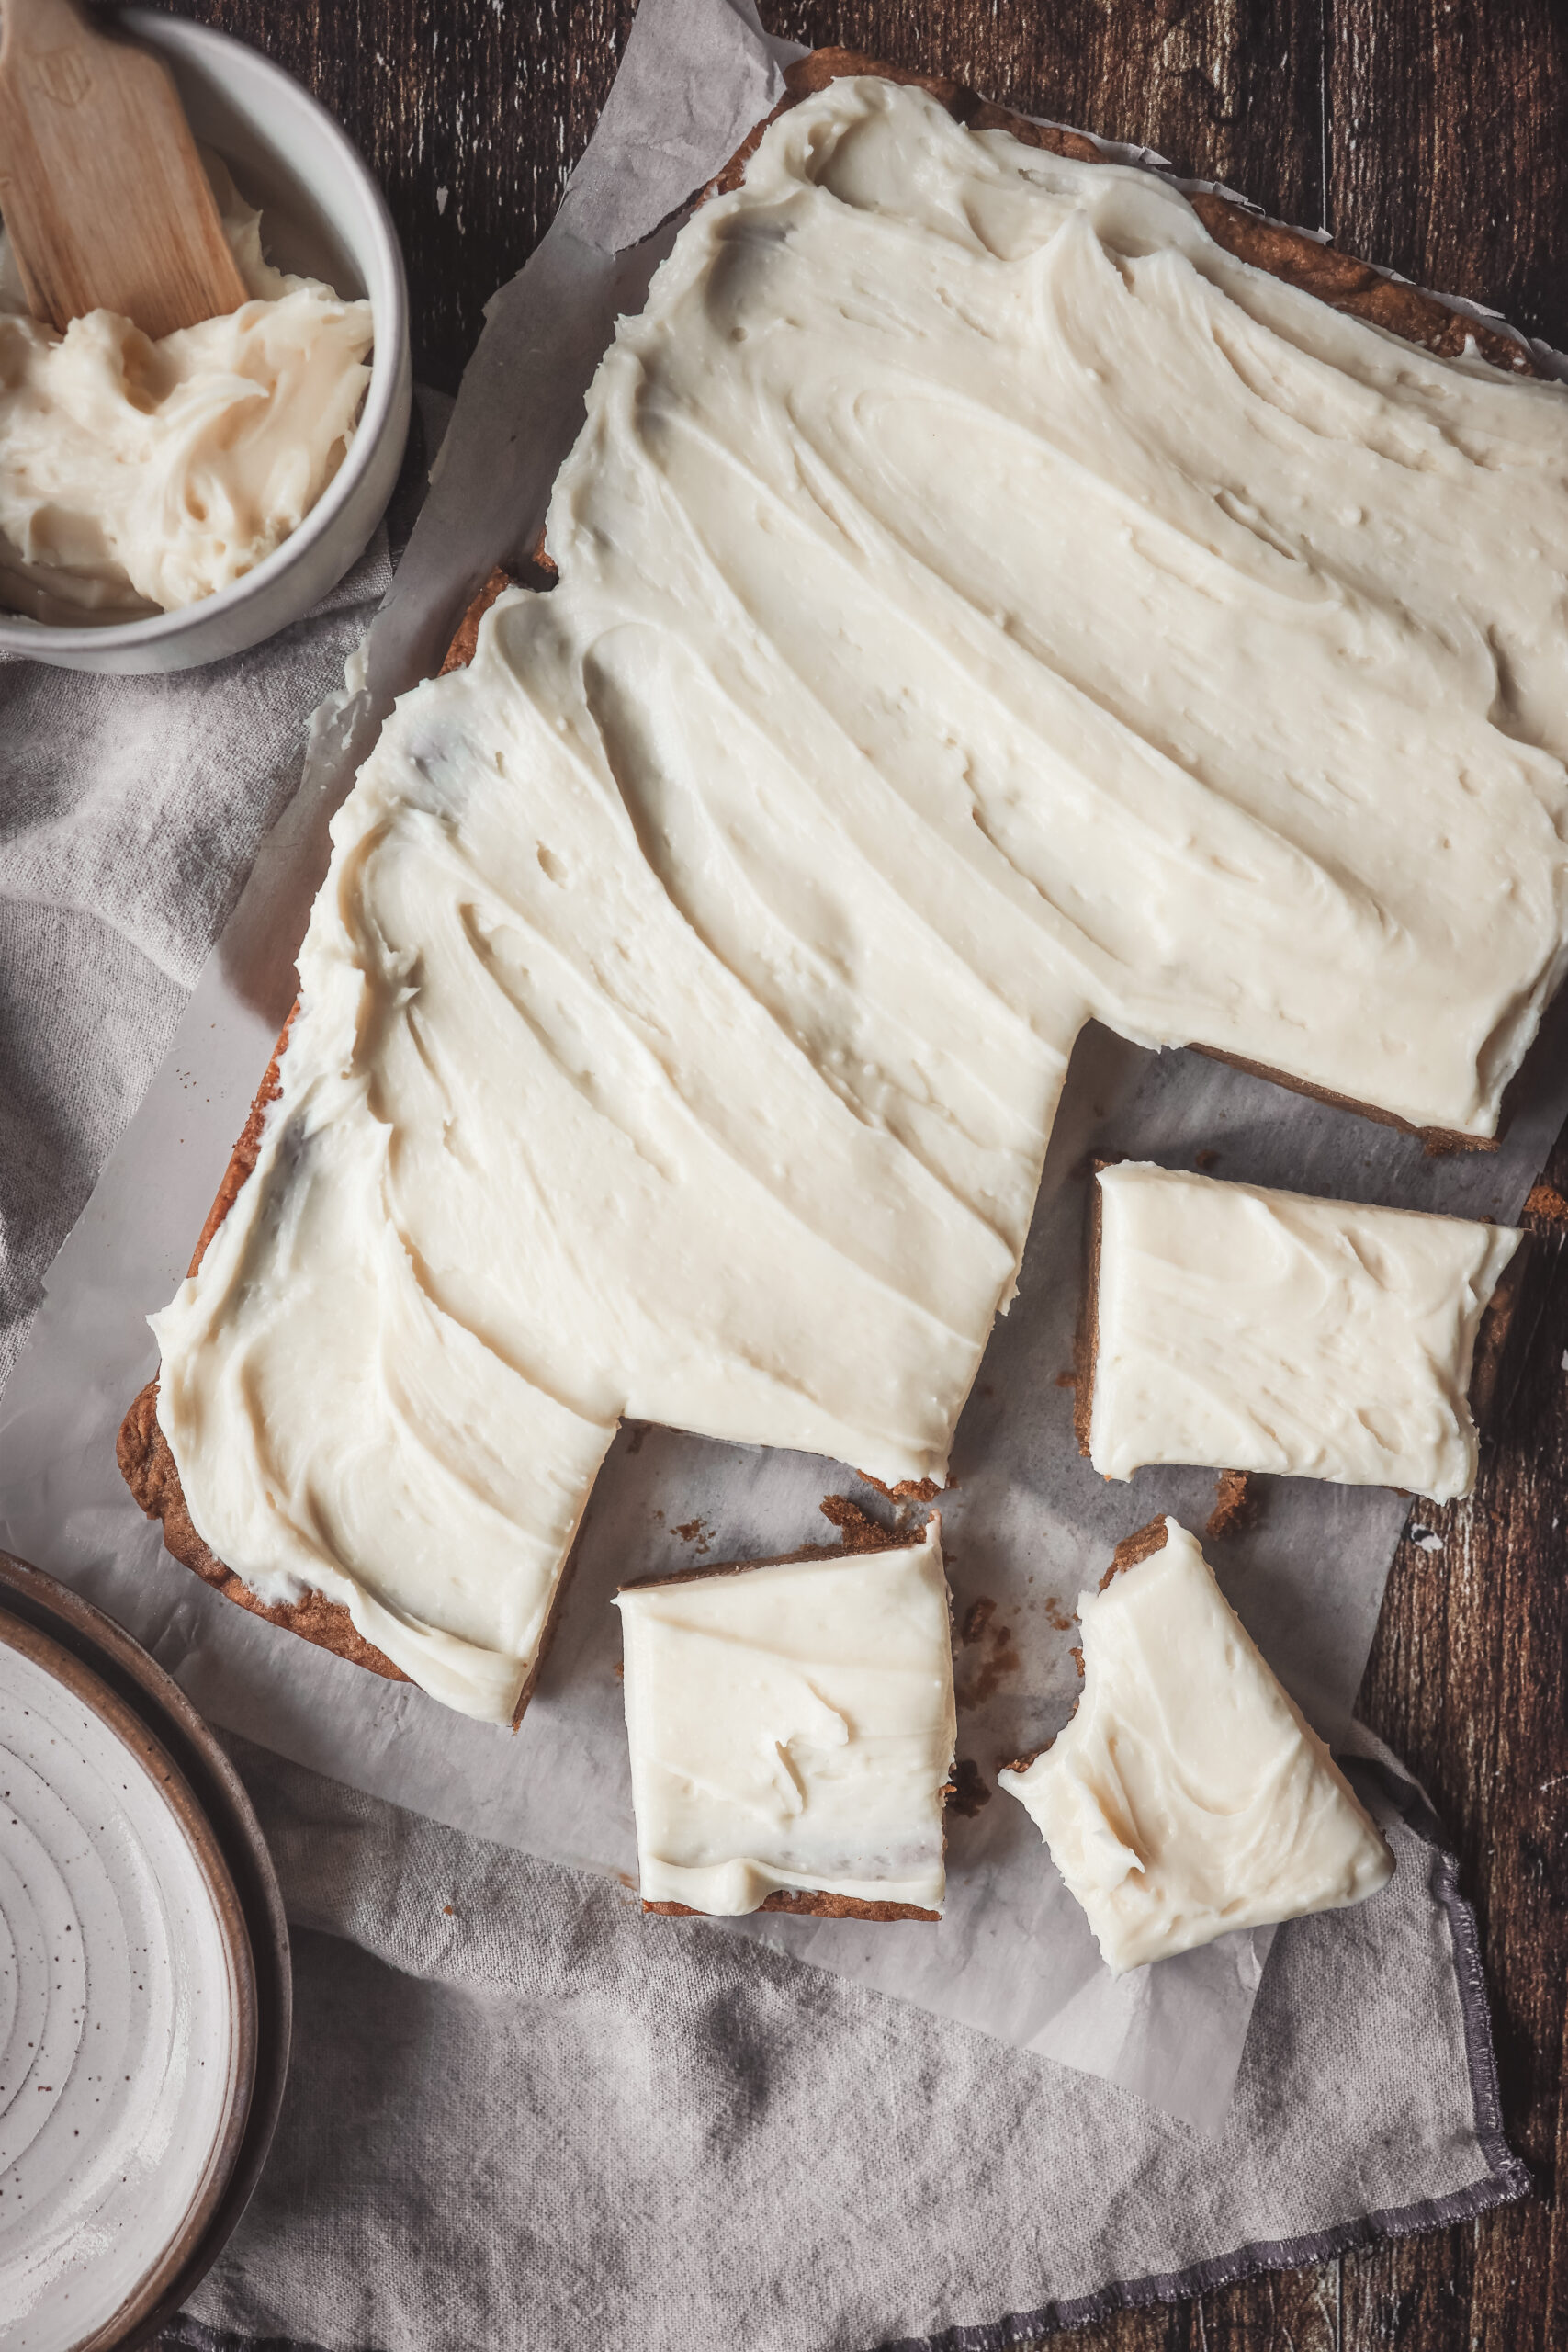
<point x="41" y="25"/>
<point x="44" y="21"/>
<point x="101" y="186"/>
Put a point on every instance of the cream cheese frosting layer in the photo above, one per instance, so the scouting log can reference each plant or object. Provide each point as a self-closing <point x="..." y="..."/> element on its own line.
<point x="792" y="1727"/>
<point x="1253" y="1329"/>
<point x="140" y="475"/>
<point x="982" y="603"/>
<point x="1188" y="1796"/>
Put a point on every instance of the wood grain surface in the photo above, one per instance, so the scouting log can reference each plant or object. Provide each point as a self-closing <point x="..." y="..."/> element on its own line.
<point x="1428" y="134"/>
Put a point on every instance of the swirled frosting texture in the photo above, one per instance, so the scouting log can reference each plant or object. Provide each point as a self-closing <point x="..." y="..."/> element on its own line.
<point x="1254" y="1330"/>
<point x="139" y="476"/>
<point x="983" y="602"/>
<point x="792" y="1727"/>
<point x="1188" y="1796"/>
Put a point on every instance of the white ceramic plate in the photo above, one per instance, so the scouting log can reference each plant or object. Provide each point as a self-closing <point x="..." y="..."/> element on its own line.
<point x="126" y="2007"/>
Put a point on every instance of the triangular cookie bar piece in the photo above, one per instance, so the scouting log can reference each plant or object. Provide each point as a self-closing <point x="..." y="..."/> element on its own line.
<point x="1187" y="1795"/>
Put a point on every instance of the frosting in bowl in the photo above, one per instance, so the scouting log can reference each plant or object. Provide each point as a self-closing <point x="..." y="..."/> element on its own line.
<point x="140" y="476"/>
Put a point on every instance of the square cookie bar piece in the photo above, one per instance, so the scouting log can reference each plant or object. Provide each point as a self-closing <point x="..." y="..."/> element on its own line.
<point x="792" y="1730"/>
<point x="1187" y="1795"/>
<point x="1250" y="1330"/>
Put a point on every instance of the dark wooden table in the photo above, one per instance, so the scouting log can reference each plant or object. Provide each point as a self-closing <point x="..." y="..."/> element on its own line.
<point x="1428" y="134"/>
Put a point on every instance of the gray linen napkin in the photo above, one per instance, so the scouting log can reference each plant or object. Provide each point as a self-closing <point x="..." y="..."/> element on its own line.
<point x="522" y="2117"/>
<point x="519" y="2115"/>
<point x="131" y="810"/>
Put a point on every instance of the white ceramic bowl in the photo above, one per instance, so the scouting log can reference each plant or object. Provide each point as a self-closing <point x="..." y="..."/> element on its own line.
<point x="322" y="216"/>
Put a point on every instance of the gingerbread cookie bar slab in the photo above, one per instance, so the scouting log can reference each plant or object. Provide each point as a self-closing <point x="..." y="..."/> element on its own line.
<point x="985" y="602"/>
<point x="1248" y="1328"/>
<point x="792" y="1733"/>
<point x="1187" y="1795"/>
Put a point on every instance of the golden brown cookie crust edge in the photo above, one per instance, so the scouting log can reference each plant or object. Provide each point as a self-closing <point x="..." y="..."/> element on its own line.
<point x="145" y="1458"/>
<point x="811" y="1904"/>
<point x="1086" y="1338"/>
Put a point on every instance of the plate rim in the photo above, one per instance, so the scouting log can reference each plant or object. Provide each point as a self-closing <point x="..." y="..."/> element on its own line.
<point x="157" y="1770"/>
<point x="151" y="1710"/>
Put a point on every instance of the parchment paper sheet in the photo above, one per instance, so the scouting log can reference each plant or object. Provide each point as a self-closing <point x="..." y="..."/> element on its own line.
<point x="1028" y="1523"/>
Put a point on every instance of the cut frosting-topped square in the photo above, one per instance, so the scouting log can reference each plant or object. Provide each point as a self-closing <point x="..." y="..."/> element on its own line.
<point x="1187" y="1795"/>
<point x="1251" y="1330"/>
<point x="792" y="1731"/>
